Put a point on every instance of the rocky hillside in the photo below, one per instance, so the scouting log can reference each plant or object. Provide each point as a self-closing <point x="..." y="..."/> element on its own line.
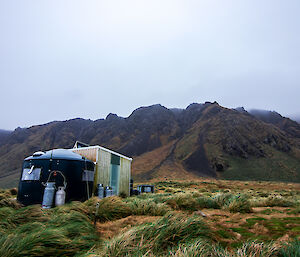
<point x="201" y="140"/>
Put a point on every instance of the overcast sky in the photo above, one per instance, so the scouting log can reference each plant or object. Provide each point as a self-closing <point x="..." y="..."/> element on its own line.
<point x="66" y="59"/>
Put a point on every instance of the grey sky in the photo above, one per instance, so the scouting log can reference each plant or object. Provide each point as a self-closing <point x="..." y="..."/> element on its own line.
<point x="66" y="59"/>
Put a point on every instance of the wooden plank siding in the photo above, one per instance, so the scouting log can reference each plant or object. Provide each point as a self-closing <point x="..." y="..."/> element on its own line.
<point x="102" y="158"/>
<point x="124" y="184"/>
<point x="103" y="169"/>
<point x="90" y="153"/>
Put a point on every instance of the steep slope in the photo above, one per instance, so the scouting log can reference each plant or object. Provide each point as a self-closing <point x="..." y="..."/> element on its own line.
<point x="286" y="124"/>
<point x="23" y="142"/>
<point x="201" y="140"/>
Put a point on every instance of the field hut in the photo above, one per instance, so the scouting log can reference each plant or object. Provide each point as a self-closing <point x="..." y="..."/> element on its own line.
<point x="111" y="168"/>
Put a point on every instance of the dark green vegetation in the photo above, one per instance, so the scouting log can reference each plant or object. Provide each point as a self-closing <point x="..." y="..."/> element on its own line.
<point x="242" y="219"/>
<point x="203" y="139"/>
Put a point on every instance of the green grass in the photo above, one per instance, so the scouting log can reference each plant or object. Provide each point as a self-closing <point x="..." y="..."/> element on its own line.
<point x="291" y="249"/>
<point x="158" y="236"/>
<point x="266" y="169"/>
<point x="110" y="208"/>
<point x="31" y="231"/>
<point x="178" y="229"/>
<point x="243" y="232"/>
<point x="147" y="207"/>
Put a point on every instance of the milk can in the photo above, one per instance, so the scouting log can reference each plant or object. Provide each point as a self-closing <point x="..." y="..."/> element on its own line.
<point x="60" y="196"/>
<point x="108" y="191"/>
<point x="48" y="195"/>
<point x="100" y="191"/>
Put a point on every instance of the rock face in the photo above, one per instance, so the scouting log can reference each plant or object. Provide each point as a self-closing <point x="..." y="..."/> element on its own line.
<point x="201" y="140"/>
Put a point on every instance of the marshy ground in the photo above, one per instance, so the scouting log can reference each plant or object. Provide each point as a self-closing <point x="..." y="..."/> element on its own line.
<point x="198" y="218"/>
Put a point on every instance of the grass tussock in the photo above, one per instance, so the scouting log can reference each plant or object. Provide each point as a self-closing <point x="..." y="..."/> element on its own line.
<point x="207" y="249"/>
<point x="4" y="194"/>
<point x="291" y="249"/>
<point x="234" y="203"/>
<point x="158" y="236"/>
<point x="110" y="208"/>
<point x="8" y="198"/>
<point x="255" y="249"/>
<point x="191" y="202"/>
<point x="10" y="202"/>
<point x="223" y="199"/>
<point x="201" y="248"/>
<point x="279" y="201"/>
<point x="239" y="203"/>
<point x="146" y="207"/>
<point x="32" y="231"/>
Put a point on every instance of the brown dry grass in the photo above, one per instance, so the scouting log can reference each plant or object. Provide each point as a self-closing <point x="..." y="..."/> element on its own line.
<point x="150" y="160"/>
<point x="113" y="228"/>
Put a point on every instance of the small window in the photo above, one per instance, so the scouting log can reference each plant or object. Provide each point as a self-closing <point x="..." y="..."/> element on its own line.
<point x="88" y="175"/>
<point x="31" y="174"/>
<point x="147" y="189"/>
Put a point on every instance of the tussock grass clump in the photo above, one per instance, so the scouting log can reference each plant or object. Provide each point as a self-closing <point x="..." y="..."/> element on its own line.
<point x="255" y="249"/>
<point x="73" y="206"/>
<point x="10" y="202"/>
<point x="158" y="236"/>
<point x="201" y="248"/>
<point x="280" y="201"/>
<point x="234" y="203"/>
<point x="110" y="208"/>
<point x="291" y="249"/>
<point x="147" y="207"/>
<point x="273" y="201"/>
<point x="207" y="202"/>
<point x="207" y="249"/>
<point x="6" y="212"/>
<point x="32" y="213"/>
<point x="223" y="199"/>
<point x="8" y="198"/>
<point x="5" y="194"/>
<point x="183" y="201"/>
<point x="239" y="203"/>
<point x="191" y="202"/>
<point x="157" y="198"/>
<point x="32" y="231"/>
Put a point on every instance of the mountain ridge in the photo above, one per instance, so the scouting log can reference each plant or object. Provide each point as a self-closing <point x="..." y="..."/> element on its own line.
<point x="202" y="140"/>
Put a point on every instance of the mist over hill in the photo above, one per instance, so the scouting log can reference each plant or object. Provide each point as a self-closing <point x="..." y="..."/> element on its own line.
<point x="4" y="135"/>
<point x="201" y="140"/>
<point x="296" y="118"/>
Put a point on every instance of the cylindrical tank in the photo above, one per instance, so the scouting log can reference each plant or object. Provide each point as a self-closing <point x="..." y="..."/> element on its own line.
<point x="36" y="169"/>
<point x="100" y="191"/>
<point x="60" y="196"/>
<point x="48" y="195"/>
<point x="108" y="191"/>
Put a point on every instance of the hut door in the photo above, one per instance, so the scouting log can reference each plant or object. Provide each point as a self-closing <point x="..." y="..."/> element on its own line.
<point x="115" y="173"/>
